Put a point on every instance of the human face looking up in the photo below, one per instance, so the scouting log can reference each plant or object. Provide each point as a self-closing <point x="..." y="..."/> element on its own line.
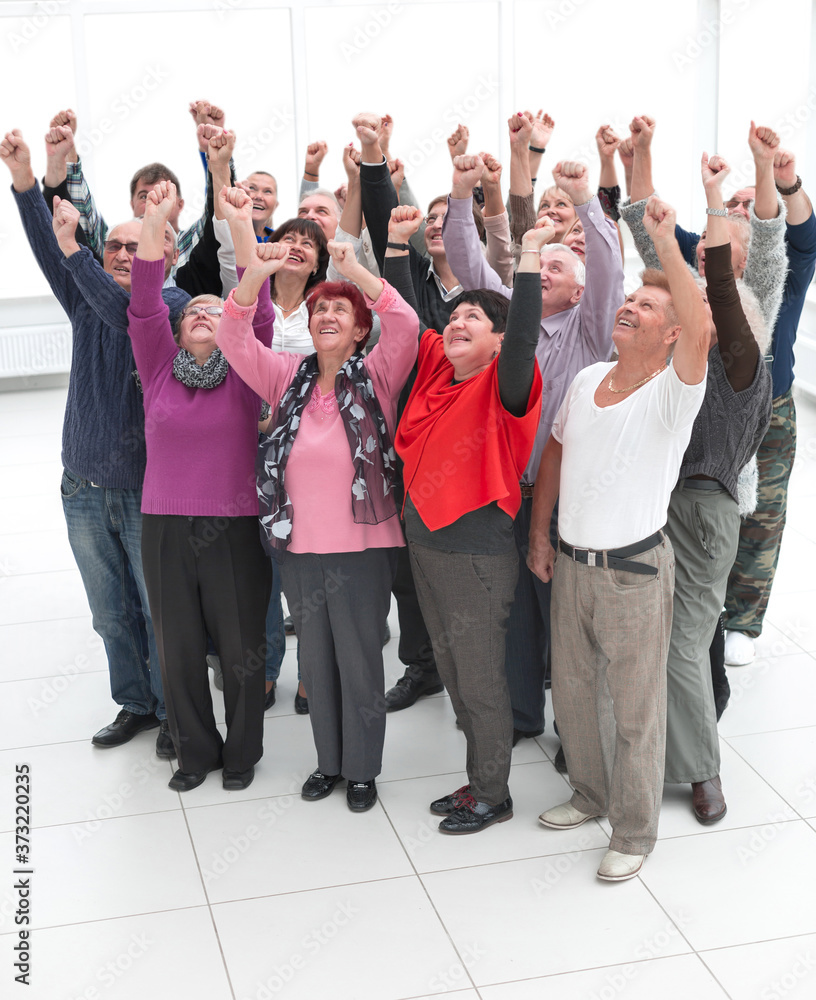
<point x="559" y="207"/>
<point x="321" y="210"/>
<point x="263" y="191"/>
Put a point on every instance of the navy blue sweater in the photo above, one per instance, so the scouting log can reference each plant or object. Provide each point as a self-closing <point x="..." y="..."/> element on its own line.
<point x="103" y="432"/>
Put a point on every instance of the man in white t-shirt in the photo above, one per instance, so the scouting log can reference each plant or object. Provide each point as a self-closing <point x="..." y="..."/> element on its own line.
<point x="614" y="456"/>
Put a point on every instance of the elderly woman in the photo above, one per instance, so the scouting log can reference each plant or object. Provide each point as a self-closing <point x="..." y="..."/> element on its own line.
<point x="325" y="474"/>
<point x="465" y="437"/>
<point x="205" y="569"/>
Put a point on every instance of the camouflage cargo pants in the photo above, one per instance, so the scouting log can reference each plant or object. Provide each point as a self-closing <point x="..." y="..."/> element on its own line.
<point x="751" y="579"/>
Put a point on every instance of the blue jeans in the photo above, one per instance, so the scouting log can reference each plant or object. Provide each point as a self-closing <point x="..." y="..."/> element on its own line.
<point x="105" y="532"/>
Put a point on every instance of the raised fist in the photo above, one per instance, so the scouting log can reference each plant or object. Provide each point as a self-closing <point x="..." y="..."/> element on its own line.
<point x="642" y="130"/>
<point x="784" y="168"/>
<point x="404" y="222"/>
<point x="235" y="204"/>
<point x="543" y="232"/>
<point x="491" y="174"/>
<point x="266" y="258"/>
<point x="607" y="142"/>
<point x="458" y="141"/>
<point x="344" y="258"/>
<point x="659" y="220"/>
<point x="763" y="142"/>
<point x="626" y="152"/>
<point x="315" y="153"/>
<point x="520" y="128"/>
<point x="351" y="161"/>
<point x="573" y="179"/>
<point x="64" y="221"/>
<point x="397" y="170"/>
<point x="15" y="152"/>
<point x="160" y="201"/>
<point x="67" y="117"/>
<point x="59" y="141"/>
<point x="714" y="171"/>
<point x="368" y="127"/>
<point x="467" y="172"/>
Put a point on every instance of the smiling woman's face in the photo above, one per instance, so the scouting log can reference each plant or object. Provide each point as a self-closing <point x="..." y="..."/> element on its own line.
<point x="333" y="328"/>
<point x="469" y="339"/>
<point x="198" y="327"/>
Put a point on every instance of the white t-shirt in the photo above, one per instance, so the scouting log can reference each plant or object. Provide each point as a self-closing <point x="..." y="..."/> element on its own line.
<point x="621" y="462"/>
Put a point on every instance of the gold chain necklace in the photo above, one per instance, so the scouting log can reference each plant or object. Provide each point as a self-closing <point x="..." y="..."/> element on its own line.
<point x="637" y="385"/>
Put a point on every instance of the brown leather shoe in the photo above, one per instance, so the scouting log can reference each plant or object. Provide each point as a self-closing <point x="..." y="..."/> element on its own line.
<point x="707" y="800"/>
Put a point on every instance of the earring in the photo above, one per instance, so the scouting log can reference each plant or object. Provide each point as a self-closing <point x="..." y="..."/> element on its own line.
<point x="314" y="272"/>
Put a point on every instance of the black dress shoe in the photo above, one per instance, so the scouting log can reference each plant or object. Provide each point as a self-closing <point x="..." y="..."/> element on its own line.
<point x="560" y="762"/>
<point x="361" y="795"/>
<point x="164" y="742"/>
<point x="234" y="781"/>
<point x="446" y="805"/>
<point x="525" y="734"/>
<point x="319" y="785"/>
<point x="301" y="704"/>
<point x="472" y="816"/>
<point x="410" y="687"/>
<point x="123" y="728"/>
<point x="269" y="700"/>
<point x="183" y="781"/>
<point x="288" y="625"/>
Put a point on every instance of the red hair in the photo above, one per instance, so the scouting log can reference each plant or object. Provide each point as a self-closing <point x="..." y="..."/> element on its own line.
<point x="330" y="290"/>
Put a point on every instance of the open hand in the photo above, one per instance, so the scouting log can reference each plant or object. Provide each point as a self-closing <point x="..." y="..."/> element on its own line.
<point x="542" y="129"/>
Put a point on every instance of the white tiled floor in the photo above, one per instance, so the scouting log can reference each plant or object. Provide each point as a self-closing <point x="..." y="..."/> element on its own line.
<point x="139" y="891"/>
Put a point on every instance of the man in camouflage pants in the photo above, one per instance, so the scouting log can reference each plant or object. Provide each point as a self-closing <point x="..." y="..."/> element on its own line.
<point x="751" y="579"/>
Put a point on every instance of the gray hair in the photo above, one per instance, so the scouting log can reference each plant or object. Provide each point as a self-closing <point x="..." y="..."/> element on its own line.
<point x="326" y="194"/>
<point x="140" y="221"/>
<point x="578" y="267"/>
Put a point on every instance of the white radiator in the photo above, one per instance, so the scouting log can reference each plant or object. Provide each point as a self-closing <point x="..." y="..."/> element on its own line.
<point x="28" y="351"/>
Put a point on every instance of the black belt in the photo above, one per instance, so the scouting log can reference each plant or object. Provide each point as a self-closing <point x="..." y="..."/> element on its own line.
<point x="615" y="558"/>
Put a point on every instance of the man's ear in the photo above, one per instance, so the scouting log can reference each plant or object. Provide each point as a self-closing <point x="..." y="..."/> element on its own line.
<point x="671" y="335"/>
<point x="575" y="298"/>
<point x="180" y="203"/>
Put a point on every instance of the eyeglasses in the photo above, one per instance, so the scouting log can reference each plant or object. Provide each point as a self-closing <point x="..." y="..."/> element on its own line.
<point x="209" y="310"/>
<point x="114" y="246"/>
<point x="735" y="203"/>
<point x="431" y="219"/>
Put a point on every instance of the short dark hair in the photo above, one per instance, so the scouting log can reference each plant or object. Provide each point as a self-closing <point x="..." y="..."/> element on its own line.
<point x="492" y="304"/>
<point x="330" y="290"/>
<point x="305" y="227"/>
<point x="152" y="174"/>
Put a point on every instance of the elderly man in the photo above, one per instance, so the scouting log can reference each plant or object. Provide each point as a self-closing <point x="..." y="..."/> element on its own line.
<point x="614" y="455"/>
<point x="578" y="306"/>
<point x="103" y="449"/>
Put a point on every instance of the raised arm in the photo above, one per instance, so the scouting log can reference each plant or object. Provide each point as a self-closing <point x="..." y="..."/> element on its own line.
<point x="608" y="189"/>
<point x="691" y="349"/>
<point x="539" y="138"/>
<point x="603" y="293"/>
<point x="738" y="347"/>
<point x="789" y="185"/>
<point x="377" y="191"/>
<point x="59" y="148"/>
<point x="496" y="221"/>
<point x="92" y="222"/>
<point x="404" y="223"/>
<point x="626" y="153"/>
<point x="517" y="364"/>
<point x="462" y="246"/>
<point x="520" y="201"/>
<point x="763" y="143"/>
<point x="641" y="132"/>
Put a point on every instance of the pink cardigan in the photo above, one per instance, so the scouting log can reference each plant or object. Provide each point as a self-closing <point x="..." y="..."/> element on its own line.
<point x="319" y="471"/>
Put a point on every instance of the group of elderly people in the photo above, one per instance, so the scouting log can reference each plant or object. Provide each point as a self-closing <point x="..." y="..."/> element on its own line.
<point x="512" y="403"/>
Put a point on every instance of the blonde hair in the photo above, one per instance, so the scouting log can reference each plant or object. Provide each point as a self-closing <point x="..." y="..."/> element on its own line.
<point x="210" y="300"/>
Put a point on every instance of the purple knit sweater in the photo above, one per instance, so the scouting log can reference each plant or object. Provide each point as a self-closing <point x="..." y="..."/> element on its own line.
<point x="201" y="443"/>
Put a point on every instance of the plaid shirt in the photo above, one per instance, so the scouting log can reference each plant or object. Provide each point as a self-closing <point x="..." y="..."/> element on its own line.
<point x="95" y="227"/>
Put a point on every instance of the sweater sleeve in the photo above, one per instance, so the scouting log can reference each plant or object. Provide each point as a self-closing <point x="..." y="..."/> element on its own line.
<point x="767" y="262"/>
<point x="263" y="322"/>
<point x="36" y="220"/>
<point x="738" y="348"/>
<point x="265" y="372"/>
<point x="499" y="249"/>
<point x="517" y="360"/>
<point x="522" y="215"/>
<point x="688" y="245"/>
<point x="378" y="198"/>
<point x="149" y="319"/>
<point x="632" y="215"/>
<point x="107" y="299"/>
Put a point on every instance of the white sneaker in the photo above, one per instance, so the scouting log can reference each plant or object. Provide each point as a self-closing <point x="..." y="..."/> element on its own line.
<point x="740" y="649"/>
<point x="617" y="867"/>
<point x="563" y="817"/>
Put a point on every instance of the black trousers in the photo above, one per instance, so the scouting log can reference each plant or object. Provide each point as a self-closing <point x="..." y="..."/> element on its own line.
<point x="209" y="575"/>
